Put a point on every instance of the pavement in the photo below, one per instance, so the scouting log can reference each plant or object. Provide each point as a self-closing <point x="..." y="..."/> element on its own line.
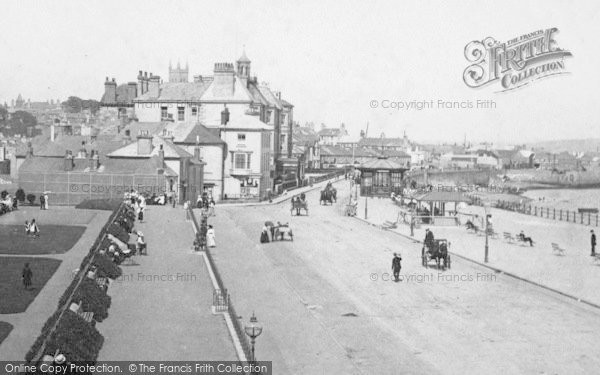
<point x="28" y="325"/>
<point x="161" y="306"/>
<point x="328" y="305"/>
<point x="576" y="273"/>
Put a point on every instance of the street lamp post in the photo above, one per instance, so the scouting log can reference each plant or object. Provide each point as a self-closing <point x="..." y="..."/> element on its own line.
<point x="487" y="208"/>
<point x="253" y="329"/>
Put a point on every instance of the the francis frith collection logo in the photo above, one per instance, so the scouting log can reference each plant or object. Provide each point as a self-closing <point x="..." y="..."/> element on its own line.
<point x="515" y="63"/>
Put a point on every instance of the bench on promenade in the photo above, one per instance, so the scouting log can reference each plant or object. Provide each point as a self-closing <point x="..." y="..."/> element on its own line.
<point x="509" y="237"/>
<point x="492" y="233"/>
<point x="556" y="249"/>
<point x="389" y="225"/>
<point x="85" y="315"/>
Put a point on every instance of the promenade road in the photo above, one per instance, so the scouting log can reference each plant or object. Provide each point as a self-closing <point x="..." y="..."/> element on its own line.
<point x="328" y="306"/>
<point x="161" y="306"/>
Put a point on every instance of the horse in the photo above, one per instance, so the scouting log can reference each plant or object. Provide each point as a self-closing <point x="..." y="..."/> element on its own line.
<point x="326" y="196"/>
<point x="438" y="253"/>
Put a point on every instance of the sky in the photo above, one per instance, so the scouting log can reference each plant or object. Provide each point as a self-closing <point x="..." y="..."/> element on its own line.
<point x="331" y="59"/>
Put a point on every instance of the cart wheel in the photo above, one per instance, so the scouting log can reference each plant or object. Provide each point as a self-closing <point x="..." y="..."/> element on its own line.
<point x="424" y="258"/>
<point x="449" y="262"/>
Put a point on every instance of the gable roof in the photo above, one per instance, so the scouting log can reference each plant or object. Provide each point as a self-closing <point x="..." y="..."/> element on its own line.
<point x="204" y="135"/>
<point x="381" y="163"/>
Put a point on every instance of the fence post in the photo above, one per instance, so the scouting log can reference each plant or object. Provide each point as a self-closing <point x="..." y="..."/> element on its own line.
<point x="582" y="218"/>
<point x="554" y="213"/>
<point x="589" y="214"/>
<point x="561" y="214"/>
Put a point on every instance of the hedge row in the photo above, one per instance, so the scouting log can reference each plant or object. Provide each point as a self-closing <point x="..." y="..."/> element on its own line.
<point x="75" y="338"/>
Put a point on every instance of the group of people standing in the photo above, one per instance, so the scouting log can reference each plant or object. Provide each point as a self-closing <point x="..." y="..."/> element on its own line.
<point x="44" y="201"/>
<point x="31" y="228"/>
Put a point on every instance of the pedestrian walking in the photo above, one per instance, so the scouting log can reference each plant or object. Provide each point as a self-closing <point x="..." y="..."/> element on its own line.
<point x="186" y="207"/>
<point x="27" y="275"/>
<point x="210" y="237"/>
<point x="412" y="226"/>
<point x="42" y="202"/>
<point x="593" y="239"/>
<point x="396" y="266"/>
<point x="45" y="201"/>
<point x="211" y="208"/>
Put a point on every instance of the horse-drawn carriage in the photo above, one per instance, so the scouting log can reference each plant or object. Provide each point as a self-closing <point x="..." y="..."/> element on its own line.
<point x="299" y="203"/>
<point x="329" y="194"/>
<point x="279" y="230"/>
<point x="438" y="252"/>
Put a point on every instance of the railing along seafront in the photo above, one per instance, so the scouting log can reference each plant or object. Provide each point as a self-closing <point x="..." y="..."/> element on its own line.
<point x="584" y="217"/>
<point x="221" y="296"/>
<point x="83" y="271"/>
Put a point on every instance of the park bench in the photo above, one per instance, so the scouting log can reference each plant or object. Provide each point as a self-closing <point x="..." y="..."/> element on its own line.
<point x="557" y="249"/>
<point x="509" y="237"/>
<point x="389" y="225"/>
<point x="85" y="315"/>
<point x="492" y="233"/>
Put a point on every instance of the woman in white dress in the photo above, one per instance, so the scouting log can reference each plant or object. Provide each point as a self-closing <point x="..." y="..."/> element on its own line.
<point x="210" y="237"/>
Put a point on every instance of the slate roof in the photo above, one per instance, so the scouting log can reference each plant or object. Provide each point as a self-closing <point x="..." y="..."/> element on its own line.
<point x="381" y="163"/>
<point x="180" y="91"/>
<point x="117" y="166"/>
<point x="205" y="135"/>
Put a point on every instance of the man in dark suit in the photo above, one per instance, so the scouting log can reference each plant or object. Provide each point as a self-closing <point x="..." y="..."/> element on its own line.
<point x="396" y="266"/>
<point x="593" y="243"/>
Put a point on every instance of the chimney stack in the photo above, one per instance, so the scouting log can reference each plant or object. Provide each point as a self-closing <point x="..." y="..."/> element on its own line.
<point x="144" y="143"/>
<point x="68" y="162"/>
<point x="94" y="161"/>
<point x="140" y="83"/>
<point x="132" y="90"/>
<point x="154" y="86"/>
<point x="225" y="116"/>
<point x="224" y="80"/>
<point x="29" y="150"/>
<point x="110" y="91"/>
<point x="161" y="156"/>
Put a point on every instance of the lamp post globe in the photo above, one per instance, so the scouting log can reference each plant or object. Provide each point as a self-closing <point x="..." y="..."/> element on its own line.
<point x="253" y="329"/>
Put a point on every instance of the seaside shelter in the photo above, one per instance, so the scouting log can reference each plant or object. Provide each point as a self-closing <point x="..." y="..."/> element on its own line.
<point x="441" y="206"/>
<point x="381" y="177"/>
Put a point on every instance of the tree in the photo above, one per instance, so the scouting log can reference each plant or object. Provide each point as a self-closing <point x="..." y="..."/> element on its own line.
<point x="76" y="105"/>
<point x="3" y="114"/>
<point x="18" y="124"/>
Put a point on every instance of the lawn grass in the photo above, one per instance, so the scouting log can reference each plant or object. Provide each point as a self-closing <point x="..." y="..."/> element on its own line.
<point x="53" y="239"/>
<point x="5" y="329"/>
<point x="13" y="296"/>
<point x="100" y="204"/>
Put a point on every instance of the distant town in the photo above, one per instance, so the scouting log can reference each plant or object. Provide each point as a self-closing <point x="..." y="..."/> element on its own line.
<point x="238" y="135"/>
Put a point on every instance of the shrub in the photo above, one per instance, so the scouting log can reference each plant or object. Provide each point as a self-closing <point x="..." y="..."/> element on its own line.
<point x="120" y="233"/>
<point x="93" y="299"/>
<point x="75" y="338"/>
<point x="20" y="194"/>
<point x="31" y="199"/>
<point x="106" y="267"/>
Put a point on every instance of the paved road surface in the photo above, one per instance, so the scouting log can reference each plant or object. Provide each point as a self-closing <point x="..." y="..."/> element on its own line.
<point x="327" y="310"/>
